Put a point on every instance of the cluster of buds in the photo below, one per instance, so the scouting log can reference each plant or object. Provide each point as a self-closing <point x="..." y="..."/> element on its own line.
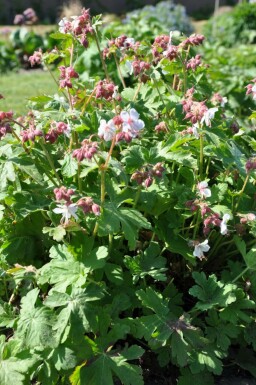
<point x="251" y="89"/>
<point x="30" y="134"/>
<point x="191" y="131"/>
<point x="106" y="89"/>
<point x="86" y="151"/>
<point x="125" y="126"/>
<point x="193" y="63"/>
<point x="161" y="127"/>
<point x="250" y="165"/>
<point x="194" y="110"/>
<point x="139" y="68"/>
<point x="57" y="129"/>
<point x="36" y="58"/>
<point x="27" y="17"/>
<point x="160" y="45"/>
<point x="234" y="126"/>
<point x="218" y="99"/>
<point x="145" y="177"/>
<point x="195" y="39"/>
<point x="172" y="52"/>
<point x="5" y="127"/>
<point x="88" y="206"/>
<point x="123" y="43"/>
<point x="63" y="194"/>
<point x="79" y="26"/>
<point x="66" y="74"/>
<point x="247" y="218"/>
<point x="212" y="220"/>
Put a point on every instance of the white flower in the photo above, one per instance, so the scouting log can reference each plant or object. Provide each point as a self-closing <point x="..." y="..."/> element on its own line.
<point x="131" y="122"/>
<point x="208" y="116"/>
<point x="195" y="131"/>
<point x="129" y="42"/>
<point x="200" y="249"/>
<point x="254" y="91"/>
<point x="129" y="66"/>
<point x="223" y="225"/>
<point x="67" y="212"/>
<point x="203" y="190"/>
<point x="107" y="130"/>
<point x="62" y="24"/>
<point x="224" y="101"/>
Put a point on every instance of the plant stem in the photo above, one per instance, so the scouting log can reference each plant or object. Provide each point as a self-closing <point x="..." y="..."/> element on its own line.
<point x="101" y="56"/>
<point x="137" y="92"/>
<point x="137" y="197"/>
<point x="201" y="159"/>
<point x="87" y="101"/>
<point x="241" y="191"/>
<point x="119" y="71"/>
<point x="241" y="274"/>
<point x="50" y="161"/>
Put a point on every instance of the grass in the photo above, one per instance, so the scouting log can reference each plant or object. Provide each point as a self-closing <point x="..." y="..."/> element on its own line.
<point x="17" y="88"/>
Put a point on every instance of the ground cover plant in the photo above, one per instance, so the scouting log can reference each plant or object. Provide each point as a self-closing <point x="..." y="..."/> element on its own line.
<point x="127" y="221"/>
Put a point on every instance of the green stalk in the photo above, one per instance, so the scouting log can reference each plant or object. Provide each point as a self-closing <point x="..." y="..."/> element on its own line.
<point x="241" y="274"/>
<point x="242" y="191"/>
<point x="50" y="161"/>
<point x="101" y="56"/>
<point x="201" y="159"/>
<point x="119" y="71"/>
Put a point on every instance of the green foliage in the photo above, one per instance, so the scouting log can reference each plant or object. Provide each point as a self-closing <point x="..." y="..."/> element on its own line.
<point x="235" y="27"/>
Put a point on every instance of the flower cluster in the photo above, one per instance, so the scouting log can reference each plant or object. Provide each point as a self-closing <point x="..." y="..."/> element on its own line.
<point x="57" y="129"/>
<point x="145" y="177"/>
<point x="250" y="164"/>
<point x="88" y="206"/>
<point x="123" y="43"/>
<point x="86" y="151"/>
<point x="66" y="74"/>
<point x="63" y="194"/>
<point x="251" y="89"/>
<point x="106" y="89"/>
<point x="36" y="58"/>
<point x="69" y="209"/>
<point x="218" y="99"/>
<point x="79" y="26"/>
<point x="27" y="17"/>
<point x="5" y="127"/>
<point x="197" y="112"/>
<point x="30" y="134"/>
<point x="125" y="126"/>
<point x="193" y="63"/>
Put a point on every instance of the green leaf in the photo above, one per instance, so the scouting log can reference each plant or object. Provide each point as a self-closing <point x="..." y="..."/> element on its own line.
<point x="96" y="259"/>
<point x="250" y="258"/>
<point x="101" y="370"/>
<point x="14" y="368"/>
<point x="211" y="293"/>
<point x="241" y="245"/>
<point x="58" y="233"/>
<point x="130" y="221"/>
<point x="7" y="173"/>
<point x="148" y="262"/>
<point x="239" y="310"/>
<point x="7" y="315"/>
<point x="62" y="274"/>
<point x="35" y="322"/>
<point x="69" y="166"/>
<point x="75" y="309"/>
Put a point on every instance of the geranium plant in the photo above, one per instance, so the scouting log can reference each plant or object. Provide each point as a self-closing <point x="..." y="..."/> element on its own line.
<point x="127" y="221"/>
